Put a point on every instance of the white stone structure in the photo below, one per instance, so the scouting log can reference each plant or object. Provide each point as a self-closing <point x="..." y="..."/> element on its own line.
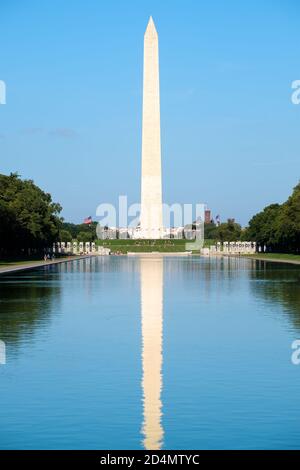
<point x="232" y="248"/>
<point x="102" y="251"/>
<point x="151" y="223"/>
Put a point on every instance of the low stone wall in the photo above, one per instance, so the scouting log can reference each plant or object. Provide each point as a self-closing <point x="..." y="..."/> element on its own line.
<point x="230" y="248"/>
<point x="80" y="248"/>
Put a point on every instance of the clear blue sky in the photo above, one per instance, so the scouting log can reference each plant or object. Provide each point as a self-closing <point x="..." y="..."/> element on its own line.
<point x="72" y="122"/>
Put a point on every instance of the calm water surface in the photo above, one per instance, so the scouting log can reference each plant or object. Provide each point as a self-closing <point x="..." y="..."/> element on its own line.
<point x="129" y="353"/>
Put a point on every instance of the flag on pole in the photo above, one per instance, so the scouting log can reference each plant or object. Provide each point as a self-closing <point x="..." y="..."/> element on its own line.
<point x="88" y="220"/>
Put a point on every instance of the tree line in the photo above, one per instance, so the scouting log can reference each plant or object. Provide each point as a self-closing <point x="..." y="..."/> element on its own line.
<point x="29" y="219"/>
<point x="79" y="232"/>
<point x="277" y="226"/>
<point x="226" y="232"/>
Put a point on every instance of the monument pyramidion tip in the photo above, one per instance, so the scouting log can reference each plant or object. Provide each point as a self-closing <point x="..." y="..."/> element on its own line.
<point x="151" y="27"/>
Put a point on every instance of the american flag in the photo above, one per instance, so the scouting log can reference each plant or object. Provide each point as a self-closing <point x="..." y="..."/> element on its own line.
<point x="88" y="220"/>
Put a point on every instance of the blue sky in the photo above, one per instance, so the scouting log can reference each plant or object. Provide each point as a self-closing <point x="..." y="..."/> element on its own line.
<point x="72" y="122"/>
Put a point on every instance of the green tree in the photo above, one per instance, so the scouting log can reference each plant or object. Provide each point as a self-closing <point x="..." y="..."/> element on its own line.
<point x="210" y="231"/>
<point x="28" y="216"/>
<point x="85" y="237"/>
<point x="262" y="227"/>
<point x="228" y="231"/>
<point x="75" y="229"/>
<point x="278" y="226"/>
<point x="287" y="224"/>
<point x="65" y="236"/>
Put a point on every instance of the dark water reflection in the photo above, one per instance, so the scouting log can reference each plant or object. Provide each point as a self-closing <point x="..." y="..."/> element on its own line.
<point x="278" y="283"/>
<point x="27" y="302"/>
<point x="126" y="352"/>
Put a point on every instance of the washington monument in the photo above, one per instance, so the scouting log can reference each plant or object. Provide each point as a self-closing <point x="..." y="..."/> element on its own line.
<point x="151" y="223"/>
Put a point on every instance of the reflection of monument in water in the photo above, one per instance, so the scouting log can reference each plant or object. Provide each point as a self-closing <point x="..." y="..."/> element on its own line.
<point x="2" y="352"/>
<point x="152" y="335"/>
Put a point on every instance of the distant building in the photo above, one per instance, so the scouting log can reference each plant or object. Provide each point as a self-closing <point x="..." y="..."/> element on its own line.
<point x="207" y="216"/>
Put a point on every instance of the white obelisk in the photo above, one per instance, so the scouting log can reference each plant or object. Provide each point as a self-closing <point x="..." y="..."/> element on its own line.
<point x="151" y="223"/>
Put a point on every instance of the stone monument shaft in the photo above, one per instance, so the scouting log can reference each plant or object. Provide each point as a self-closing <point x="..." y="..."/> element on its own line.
<point x="151" y="189"/>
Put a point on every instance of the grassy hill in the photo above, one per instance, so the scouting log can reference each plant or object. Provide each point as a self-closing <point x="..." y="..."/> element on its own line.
<point x="163" y="246"/>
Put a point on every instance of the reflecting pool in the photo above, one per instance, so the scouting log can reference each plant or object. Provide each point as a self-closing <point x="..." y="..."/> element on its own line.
<point x="136" y="352"/>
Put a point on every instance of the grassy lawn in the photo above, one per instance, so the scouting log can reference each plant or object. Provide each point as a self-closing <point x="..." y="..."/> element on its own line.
<point x="15" y="262"/>
<point x="163" y="246"/>
<point x="19" y="261"/>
